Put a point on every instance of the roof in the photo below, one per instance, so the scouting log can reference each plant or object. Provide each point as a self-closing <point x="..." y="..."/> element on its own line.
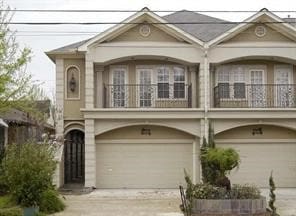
<point x="290" y="20"/>
<point x="206" y="30"/>
<point x="71" y="47"/>
<point x="203" y="31"/>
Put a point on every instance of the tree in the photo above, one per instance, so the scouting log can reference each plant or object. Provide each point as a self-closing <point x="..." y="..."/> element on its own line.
<point x="272" y="196"/>
<point x="17" y="90"/>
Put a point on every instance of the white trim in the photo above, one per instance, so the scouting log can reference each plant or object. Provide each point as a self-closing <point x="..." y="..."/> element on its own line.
<point x="74" y="122"/>
<point x="145" y="141"/>
<point x="66" y="82"/>
<point x="246" y="23"/>
<point x="146" y="14"/>
<point x="74" y="128"/>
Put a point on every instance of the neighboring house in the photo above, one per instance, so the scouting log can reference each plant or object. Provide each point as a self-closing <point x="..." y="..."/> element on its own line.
<point x="20" y="126"/>
<point x="137" y="100"/>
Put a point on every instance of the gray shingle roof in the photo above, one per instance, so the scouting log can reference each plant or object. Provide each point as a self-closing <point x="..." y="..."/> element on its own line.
<point x="203" y="31"/>
<point x="70" y="47"/>
<point x="291" y="21"/>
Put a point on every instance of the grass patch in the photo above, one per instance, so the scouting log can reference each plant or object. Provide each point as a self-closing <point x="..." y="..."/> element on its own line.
<point x="6" y="202"/>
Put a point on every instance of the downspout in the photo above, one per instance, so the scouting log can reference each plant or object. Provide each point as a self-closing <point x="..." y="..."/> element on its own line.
<point x="206" y="83"/>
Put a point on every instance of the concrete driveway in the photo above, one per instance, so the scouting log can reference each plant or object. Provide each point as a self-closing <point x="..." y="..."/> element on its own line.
<point x="150" y="203"/>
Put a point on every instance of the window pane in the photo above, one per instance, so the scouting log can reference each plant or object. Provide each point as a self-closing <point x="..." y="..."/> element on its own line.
<point x="179" y="74"/>
<point x="163" y="90"/>
<point x="223" y="76"/>
<point x="223" y="90"/>
<point x="162" y="74"/>
<point x="239" y="90"/>
<point x="179" y="90"/>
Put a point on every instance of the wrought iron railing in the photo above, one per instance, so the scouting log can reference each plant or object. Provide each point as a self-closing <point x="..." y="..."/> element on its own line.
<point x="161" y="95"/>
<point x="241" y="95"/>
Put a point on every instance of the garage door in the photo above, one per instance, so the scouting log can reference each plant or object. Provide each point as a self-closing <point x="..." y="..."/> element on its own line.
<point x="257" y="161"/>
<point x="142" y="165"/>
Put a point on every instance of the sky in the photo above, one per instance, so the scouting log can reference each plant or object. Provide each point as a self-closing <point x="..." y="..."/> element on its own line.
<point x="44" y="38"/>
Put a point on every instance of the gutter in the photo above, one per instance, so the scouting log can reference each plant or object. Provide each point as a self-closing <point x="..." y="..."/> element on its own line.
<point x="3" y="123"/>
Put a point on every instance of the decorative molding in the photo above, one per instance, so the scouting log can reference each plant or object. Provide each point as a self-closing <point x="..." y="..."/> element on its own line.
<point x="66" y="82"/>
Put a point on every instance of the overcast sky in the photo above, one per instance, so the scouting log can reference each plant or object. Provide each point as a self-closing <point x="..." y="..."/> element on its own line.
<point x="43" y="69"/>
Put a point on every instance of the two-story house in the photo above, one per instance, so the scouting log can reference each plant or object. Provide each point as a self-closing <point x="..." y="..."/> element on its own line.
<point x="138" y="99"/>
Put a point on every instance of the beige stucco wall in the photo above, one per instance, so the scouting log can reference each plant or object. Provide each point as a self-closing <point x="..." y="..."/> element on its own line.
<point x="269" y="132"/>
<point x="72" y="106"/>
<point x="249" y="35"/>
<point x="155" y="35"/>
<point x="134" y="132"/>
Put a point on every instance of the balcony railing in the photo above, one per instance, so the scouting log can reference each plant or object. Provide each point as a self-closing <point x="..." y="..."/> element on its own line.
<point x="162" y="95"/>
<point x="242" y="95"/>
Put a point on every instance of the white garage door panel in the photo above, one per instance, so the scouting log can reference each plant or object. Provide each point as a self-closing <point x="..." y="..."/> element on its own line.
<point x="257" y="161"/>
<point x="142" y="165"/>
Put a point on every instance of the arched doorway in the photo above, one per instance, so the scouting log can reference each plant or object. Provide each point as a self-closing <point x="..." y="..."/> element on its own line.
<point x="74" y="157"/>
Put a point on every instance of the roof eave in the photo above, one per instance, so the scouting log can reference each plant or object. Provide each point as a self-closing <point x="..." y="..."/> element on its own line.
<point x="245" y="24"/>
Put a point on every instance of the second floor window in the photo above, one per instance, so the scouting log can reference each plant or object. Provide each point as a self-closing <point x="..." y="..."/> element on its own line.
<point x="171" y="82"/>
<point x="163" y="82"/>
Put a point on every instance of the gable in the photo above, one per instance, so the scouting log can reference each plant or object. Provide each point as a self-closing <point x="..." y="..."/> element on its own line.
<point x="134" y="34"/>
<point x="249" y="35"/>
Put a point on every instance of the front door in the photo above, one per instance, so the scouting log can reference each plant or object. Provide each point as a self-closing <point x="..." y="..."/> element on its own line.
<point x="257" y="91"/>
<point x="74" y="157"/>
<point x="145" y="89"/>
<point x="283" y="89"/>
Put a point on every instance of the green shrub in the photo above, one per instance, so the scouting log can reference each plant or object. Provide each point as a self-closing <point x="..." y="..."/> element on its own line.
<point x="272" y="197"/>
<point x="244" y="192"/>
<point x="207" y="191"/>
<point x="6" y="202"/>
<point x="51" y="202"/>
<point x="15" y="211"/>
<point x="28" y="171"/>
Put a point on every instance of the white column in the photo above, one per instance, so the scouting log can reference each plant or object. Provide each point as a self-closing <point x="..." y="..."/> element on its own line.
<point x="194" y="94"/>
<point x="89" y="82"/>
<point x="58" y="176"/>
<point x="196" y="162"/>
<point x="90" y="153"/>
<point x="99" y="86"/>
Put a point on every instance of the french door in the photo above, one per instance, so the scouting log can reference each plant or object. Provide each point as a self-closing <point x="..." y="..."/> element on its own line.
<point x="145" y="88"/>
<point x="119" y="89"/>
<point x="283" y="90"/>
<point x="257" y="91"/>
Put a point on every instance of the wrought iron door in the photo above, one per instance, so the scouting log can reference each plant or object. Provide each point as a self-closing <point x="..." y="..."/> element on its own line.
<point x="74" y="157"/>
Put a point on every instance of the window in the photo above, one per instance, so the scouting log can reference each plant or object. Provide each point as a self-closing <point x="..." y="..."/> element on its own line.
<point x="223" y="84"/>
<point x="239" y="85"/>
<point x="179" y="82"/>
<point x="119" y="87"/>
<point x="231" y="82"/>
<point x="163" y="85"/>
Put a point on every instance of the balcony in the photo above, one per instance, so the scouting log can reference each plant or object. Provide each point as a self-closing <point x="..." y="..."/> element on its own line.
<point x="161" y="95"/>
<point x="241" y="95"/>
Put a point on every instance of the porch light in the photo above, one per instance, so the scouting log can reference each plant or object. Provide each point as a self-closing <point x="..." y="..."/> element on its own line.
<point x="72" y="83"/>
